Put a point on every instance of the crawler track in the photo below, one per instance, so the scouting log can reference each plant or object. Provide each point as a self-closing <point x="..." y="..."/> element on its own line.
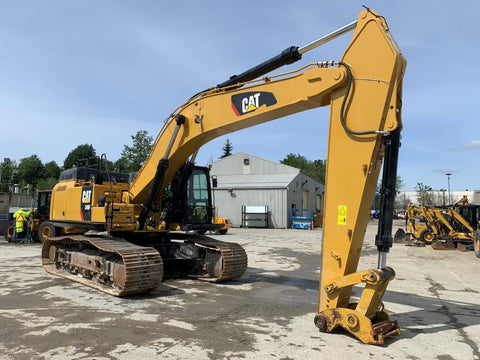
<point x="230" y="263"/>
<point x="118" y="267"/>
<point x="111" y="265"/>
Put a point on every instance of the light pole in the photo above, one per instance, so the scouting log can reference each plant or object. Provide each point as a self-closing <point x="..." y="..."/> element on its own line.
<point x="449" y="196"/>
<point x="443" y="196"/>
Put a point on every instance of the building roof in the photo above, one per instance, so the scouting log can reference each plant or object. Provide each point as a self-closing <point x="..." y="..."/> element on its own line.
<point x="258" y="181"/>
<point x="245" y="171"/>
<point x="235" y="164"/>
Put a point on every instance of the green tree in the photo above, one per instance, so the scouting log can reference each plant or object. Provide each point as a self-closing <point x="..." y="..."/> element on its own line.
<point x="51" y="175"/>
<point x="6" y="174"/>
<point x="121" y="165"/>
<point x="31" y="170"/>
<point x="399" y="184"/>
<point x="227" y="149"/>
<point x="424" y="194"/>
<point x="108" y="165"/>
<point x="15" y="177"/>
<point x="296" y="160"/>
<point x="52" y="170"/>
<point x="400" y="201"/>
<point x="315" y="168"/>
<point x="46" y="184"/>
<point x="78" y="155"/>
<point x="133" y="157"/>
<point x="319" y="167"/>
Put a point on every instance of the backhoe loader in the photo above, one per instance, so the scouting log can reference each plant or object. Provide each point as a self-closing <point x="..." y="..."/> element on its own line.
<point x="364" y="92"/>
<point x="421" y="225"/>
<point x="441" y="228"/>
<point x="39" y="208"/>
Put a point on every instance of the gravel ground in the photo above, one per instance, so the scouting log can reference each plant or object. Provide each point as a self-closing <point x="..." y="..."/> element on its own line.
<point x="266" y="314"/>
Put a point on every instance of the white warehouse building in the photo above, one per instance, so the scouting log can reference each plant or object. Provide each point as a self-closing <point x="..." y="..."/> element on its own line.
<point x="440" y="197"/>
<point x="254" y="192"/>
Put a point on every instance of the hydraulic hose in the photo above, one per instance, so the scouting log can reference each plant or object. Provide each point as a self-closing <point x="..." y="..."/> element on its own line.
<point x="344" y="104"/>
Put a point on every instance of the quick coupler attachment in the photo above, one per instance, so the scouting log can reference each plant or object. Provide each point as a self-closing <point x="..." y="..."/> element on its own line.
<point x="366" y="319"/>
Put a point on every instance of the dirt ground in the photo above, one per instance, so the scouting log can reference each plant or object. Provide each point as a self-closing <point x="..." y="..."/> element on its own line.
<point x="266" y="314"/>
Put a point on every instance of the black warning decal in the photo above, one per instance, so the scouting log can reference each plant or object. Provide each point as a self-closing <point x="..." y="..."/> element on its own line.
<point x="250" y="101"/>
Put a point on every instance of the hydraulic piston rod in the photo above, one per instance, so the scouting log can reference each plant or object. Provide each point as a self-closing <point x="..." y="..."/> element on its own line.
<point x="327" y="38"/>
<point x="287" y="56"/>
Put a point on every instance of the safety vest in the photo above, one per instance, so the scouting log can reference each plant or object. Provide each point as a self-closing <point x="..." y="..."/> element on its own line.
<point x="20" y="216"/>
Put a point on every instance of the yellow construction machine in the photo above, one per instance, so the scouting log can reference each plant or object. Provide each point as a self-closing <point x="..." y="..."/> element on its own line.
<point x="476" y="243"/>
<point x="471" y="214"/>
<point x="39" y="212"/>
<point x="443" y="228"/>
<point x="364" y="92"/>
<point x="424" y="225"/>
<point x="223" y="222"/>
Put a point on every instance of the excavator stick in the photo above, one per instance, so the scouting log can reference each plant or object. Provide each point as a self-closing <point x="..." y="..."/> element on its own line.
<point x="365" y="123"/>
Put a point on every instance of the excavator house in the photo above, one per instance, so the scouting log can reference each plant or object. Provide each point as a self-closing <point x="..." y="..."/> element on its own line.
<point x="122" y="236"/>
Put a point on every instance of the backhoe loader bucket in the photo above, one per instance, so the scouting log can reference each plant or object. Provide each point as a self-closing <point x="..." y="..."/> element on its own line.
<point x="400" y="236"/>
<point x="464" y="247"/>
<point x="443" y="245"/>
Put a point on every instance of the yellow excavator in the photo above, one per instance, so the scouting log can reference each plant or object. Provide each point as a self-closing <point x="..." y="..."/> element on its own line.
<point x="136" y="216"/>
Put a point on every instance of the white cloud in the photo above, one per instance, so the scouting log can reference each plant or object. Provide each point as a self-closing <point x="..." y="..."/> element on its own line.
<point x="472" y="144"/>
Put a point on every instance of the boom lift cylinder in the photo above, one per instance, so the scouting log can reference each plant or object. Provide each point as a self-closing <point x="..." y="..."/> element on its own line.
<point x="287" y="56"/>
<point x="159" y="174"/>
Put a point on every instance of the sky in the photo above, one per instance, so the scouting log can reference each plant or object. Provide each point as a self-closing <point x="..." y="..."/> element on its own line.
<point x="96" y="72"/>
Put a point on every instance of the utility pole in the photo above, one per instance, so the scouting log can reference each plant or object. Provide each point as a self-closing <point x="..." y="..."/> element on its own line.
<point x="449" y="195"/>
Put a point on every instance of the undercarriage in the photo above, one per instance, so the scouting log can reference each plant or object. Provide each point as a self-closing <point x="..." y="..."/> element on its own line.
<point x="119" y="267"/>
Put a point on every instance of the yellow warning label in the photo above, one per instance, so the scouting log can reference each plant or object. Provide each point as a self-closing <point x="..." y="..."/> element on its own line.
<point x="342" y="215"/>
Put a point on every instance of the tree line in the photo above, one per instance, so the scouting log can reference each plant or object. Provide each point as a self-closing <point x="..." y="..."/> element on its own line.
<point x="30" y="174"/>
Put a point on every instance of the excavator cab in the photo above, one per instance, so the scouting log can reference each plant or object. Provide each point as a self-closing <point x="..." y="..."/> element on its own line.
<point x="43" y="204"/>
<point x="471" y="213"/>
<point x="187" y="200"/>
<point x="198" y="201"/>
